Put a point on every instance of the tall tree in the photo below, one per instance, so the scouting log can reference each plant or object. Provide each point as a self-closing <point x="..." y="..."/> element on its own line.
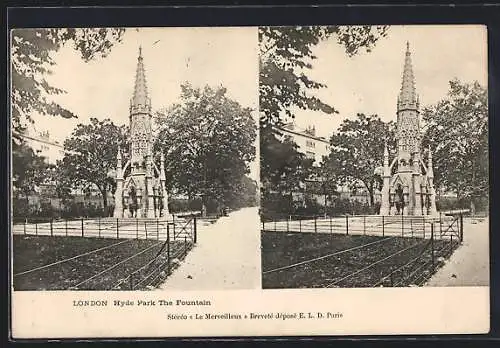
<point x="208" y="142"/>
<point x="90" y="155"/>
<point x="286" y="171"/>
<point x="32" y="57"/>
<point x="29" y="169"/>
<point x="357" y="150"/>
<point x="244" y="194"/>
<point x="286" y="55"/>
<point x="457" y="133"/>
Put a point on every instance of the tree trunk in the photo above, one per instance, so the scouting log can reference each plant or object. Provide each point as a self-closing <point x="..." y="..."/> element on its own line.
<point x="104" y="194"/>
<point x="472" y="206"/>
<point x="372" y="198"/>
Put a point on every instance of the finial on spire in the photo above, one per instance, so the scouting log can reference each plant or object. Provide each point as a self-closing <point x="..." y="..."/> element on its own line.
<point x="140" y="96"/>
<point x="408" y="95"/>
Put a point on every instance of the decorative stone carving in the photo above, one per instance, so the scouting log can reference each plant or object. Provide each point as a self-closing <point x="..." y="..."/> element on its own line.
<point x="409" y="191"/>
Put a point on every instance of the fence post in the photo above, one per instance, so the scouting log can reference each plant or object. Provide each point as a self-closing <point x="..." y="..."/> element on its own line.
<point x="195" y="231"/>
<point x="424" y="228"/>
<point x="146" y="229"/>
<point x="173" y="225"/>
<point x="274" y="219"/>
<point x="440" y="224"/>
<point x="24" y="226"/>
<point x="51" y="229"/>
<point x="411" y="227"/>
<point x="432" y="244"/>
<point x="185" y="246"/>
<point x="364" y="224"/>
<point x="99" y="226"/>
<point x="136" y="228"/>
<point x="315" y="224"/>
<point x="402" y="225"/>
<point x="168" y="249"/>
<point x="157" y="230"/>
<point x="347" y="224"/>
<point x="36" y="228"/>
<point x="461" y="228"/>
<point x="287" y="225"/>
<point x="383" y="226"/>
<point x="263" y="226"/>
<point x="117" y="234"/>
<point x="300" y="224"/>
<point x="82" y="227"/>
<point x="451" y="244"/>
<point x="331" y="230"/>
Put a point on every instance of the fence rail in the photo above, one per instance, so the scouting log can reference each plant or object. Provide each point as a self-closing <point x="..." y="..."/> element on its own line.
<point x="119" y="228"/>
<point x="446" y="223"/>
<point x="139" y="268"/>
<point x="410" y="260"/>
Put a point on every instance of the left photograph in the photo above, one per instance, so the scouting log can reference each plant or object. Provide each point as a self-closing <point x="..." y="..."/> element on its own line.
<point x="134" y="159"/>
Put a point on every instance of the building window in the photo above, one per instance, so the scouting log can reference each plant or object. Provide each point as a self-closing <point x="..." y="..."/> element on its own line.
<point x="310" y="154"/>
<point x="310" y="143"/>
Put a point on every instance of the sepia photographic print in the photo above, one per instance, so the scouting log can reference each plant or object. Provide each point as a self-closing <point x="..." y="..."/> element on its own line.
<point x="249" y="181"/>
<point x="374" y="156"/>
<point x="151" y="169"/>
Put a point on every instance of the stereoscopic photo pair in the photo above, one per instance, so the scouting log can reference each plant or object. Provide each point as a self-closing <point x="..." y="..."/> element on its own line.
<point x="249" y="158"/>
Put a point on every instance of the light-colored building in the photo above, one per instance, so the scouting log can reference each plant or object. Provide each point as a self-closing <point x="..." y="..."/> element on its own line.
<point x="316" y="147"/>
<point x="44" y="146"/>
<point x="308" y="142"/>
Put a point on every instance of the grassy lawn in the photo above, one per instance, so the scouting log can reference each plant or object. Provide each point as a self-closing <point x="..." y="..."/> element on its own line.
<point x="30" y="252"/>
<point x="281" y="249"/>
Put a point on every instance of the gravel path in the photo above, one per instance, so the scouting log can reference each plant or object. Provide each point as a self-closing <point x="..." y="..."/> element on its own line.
<point x="227" y="256"/>
<point x="469" y="264"/>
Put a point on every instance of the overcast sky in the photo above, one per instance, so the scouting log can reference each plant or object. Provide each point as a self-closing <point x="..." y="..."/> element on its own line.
<point x="370" y="82"/>
<point x="103" y="87"/>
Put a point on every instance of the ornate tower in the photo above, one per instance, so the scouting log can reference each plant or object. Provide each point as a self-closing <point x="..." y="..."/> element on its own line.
<point x="143" y="190"/>
<point x="408" y="130"/>
<point x="140" y="119"/>
<point x="409" y="191"/>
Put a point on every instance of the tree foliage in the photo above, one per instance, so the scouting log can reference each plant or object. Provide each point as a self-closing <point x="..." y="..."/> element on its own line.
<point x="288" y="170"/>
<point x="29" y="170"/>
<point x="457" y="133"/>
<point x="357" y="150"/>
<point x="90" y="155"/>
<point x="31" y="58"/>
<point x="286" y="55"/>
<point x="208" y="141"/>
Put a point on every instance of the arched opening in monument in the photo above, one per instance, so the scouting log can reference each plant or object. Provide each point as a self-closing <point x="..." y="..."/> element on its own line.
<point x="399" y="200"/>
<point x="132" y="202"/>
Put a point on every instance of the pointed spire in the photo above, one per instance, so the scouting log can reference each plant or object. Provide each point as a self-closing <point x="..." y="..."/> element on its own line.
<point x="162" y="166"/>
<point x="386" y="153"/>
<point x="119" y="173"/>
<point x="387" y="171"/>
<point x="408" y="94"/>
<point x="430" y="172"/>
<point x="140" y="96"/>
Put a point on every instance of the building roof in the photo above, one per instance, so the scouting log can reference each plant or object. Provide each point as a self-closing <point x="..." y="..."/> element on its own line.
<point x="140" y="96"/>
<point x="302" y="133"/>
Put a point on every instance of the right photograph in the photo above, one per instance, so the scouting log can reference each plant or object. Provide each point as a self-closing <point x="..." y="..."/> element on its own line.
<point x="374" y="156"/>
